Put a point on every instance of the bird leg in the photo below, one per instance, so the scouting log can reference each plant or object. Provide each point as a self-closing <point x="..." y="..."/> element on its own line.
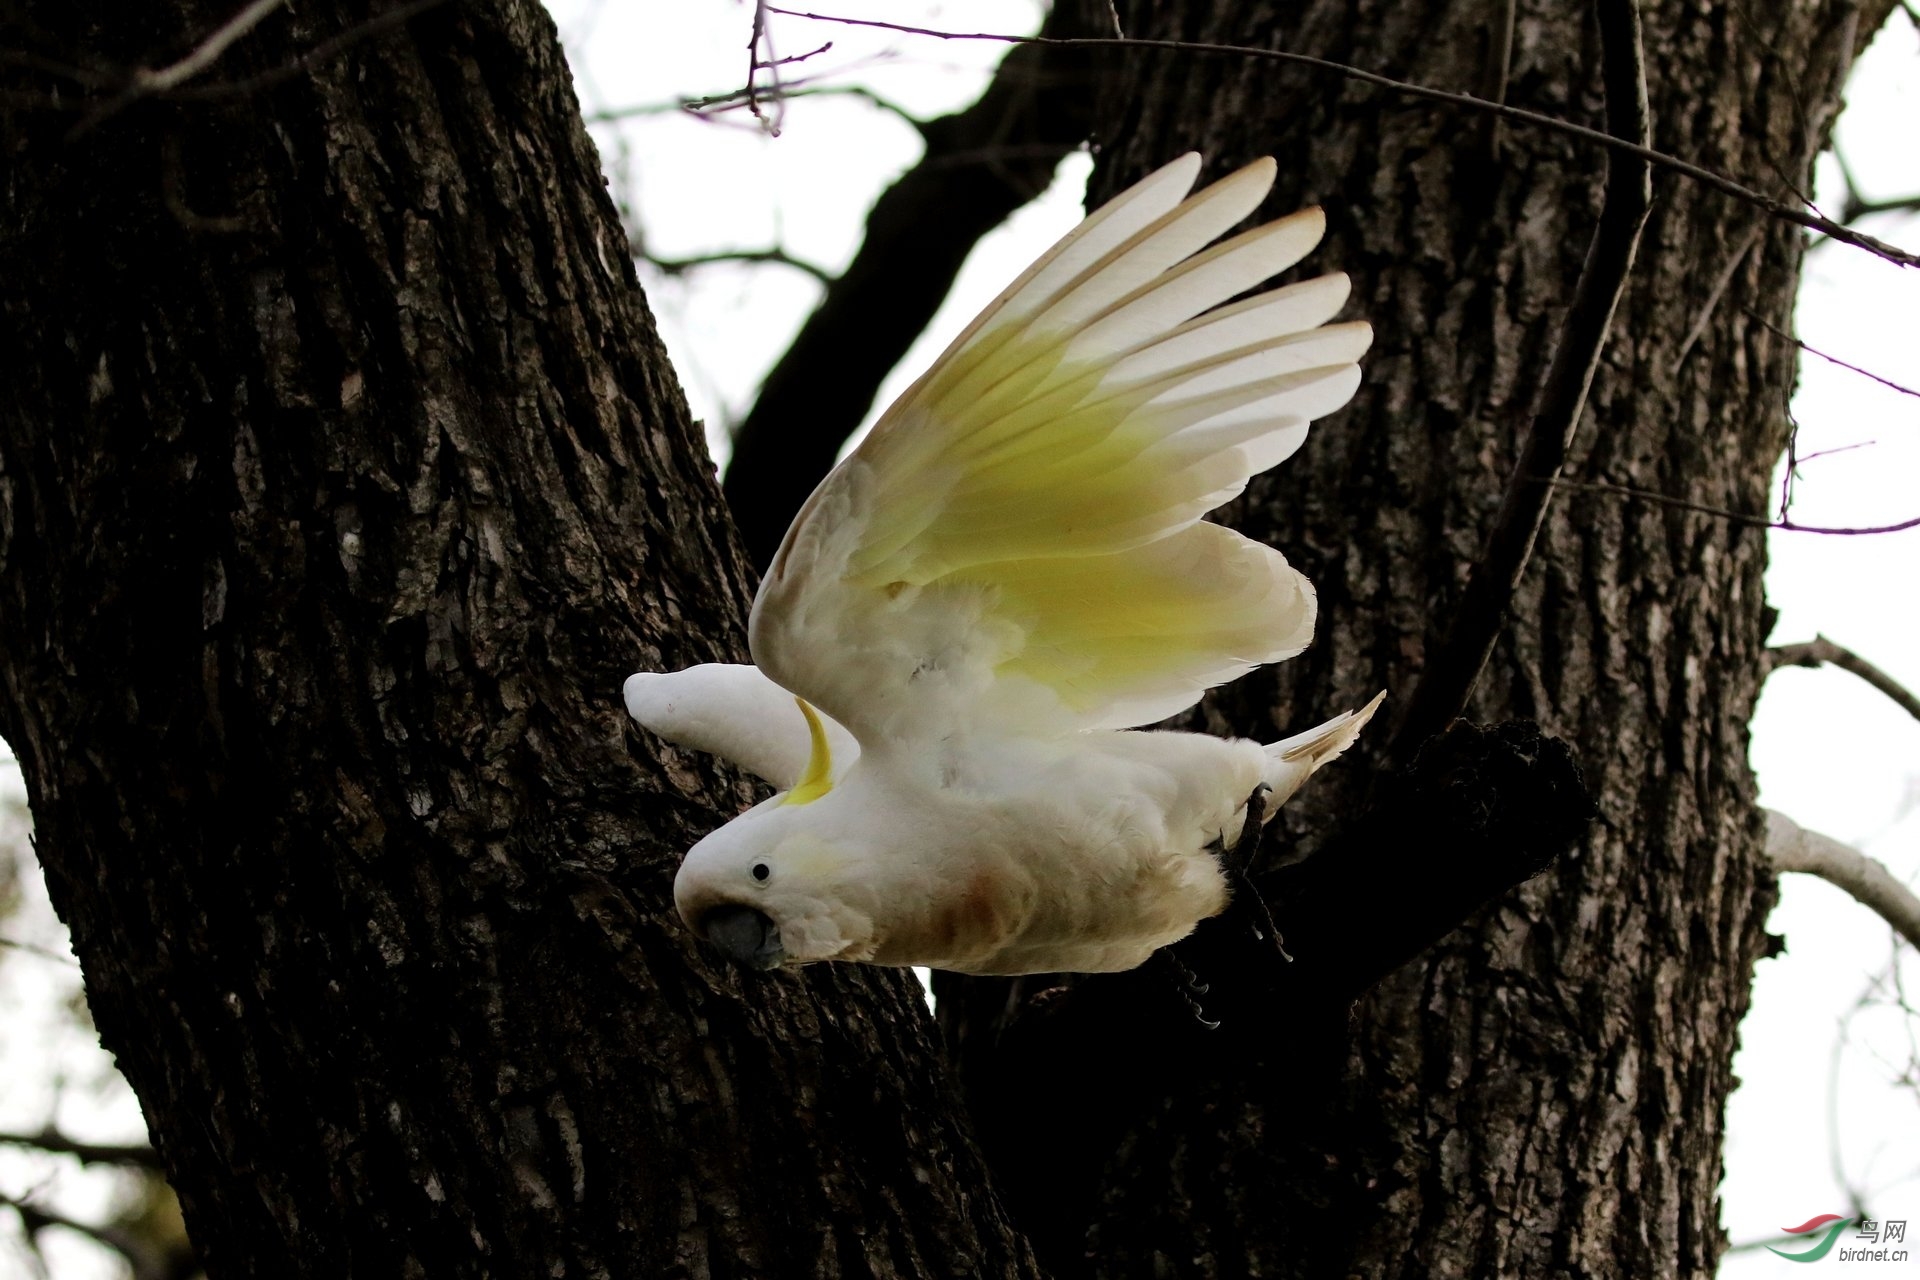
<point x="1248" y="844"/>
<point x="1238" y="864"/>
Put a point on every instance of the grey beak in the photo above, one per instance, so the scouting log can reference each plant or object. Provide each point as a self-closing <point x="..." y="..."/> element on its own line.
<point x="747" y="937"/>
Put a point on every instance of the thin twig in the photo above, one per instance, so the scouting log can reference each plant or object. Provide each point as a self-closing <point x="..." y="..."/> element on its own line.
<point x="311" y="58"/>
<point x="780" y="257"/>
<point x="1639" y="150"/>
<point x="1707" y="308"/>
<point x="28" y="948"/>
<point x="714" y="104"/>
<point x="1447" y="683"/>
<point x="1839" y="448"/>
<point x="1815" y="351"/>
<point x="1500" y="70"/>
<point x="1821" y="651"/>
<point x="57" y="1143"/>
<point x="208" y="50"/>
<point x="1791" y="847"/>
<point x="1899" y="204"/>
<point x="93" y="77"/>
<point x="1855" y="206"/>
<point x="140" y="1257"/>
<point x="792" y="58"/>
<point x="760" y="34"/>
<point x="146" y="82"/>
<point x="1737" y="517"/>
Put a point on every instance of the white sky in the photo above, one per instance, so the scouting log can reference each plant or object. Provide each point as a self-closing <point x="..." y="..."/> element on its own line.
<point x="1829" y="751"/>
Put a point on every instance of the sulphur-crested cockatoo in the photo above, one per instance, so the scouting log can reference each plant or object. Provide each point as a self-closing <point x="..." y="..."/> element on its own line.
<point x="972" y="610"/>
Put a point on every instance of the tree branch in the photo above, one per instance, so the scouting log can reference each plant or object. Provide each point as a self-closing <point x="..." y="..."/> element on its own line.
<point x="1659" y="159"/>
<point x="228" y="90"/>
<point x="28" y="948"/>
<point x="145" y="82"/>
<point x="1737" y="517"/>
<point x="57" y="1143"/>
<point x="1449" y="678"/>
<point x="779" y="257"/>
<point x="1820" y="651"/>
<point x="140" y="1258"/>
<point x="1858" y="208"/>
<point x="1854" y="206"/>
<point x="715" y="104"/>
<point x="1815" y="351"/>
<point x="979" y="166"/>
<point x="1791" y="847"/>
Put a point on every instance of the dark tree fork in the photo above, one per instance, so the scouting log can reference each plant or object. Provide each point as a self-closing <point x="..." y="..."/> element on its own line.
<point x="342" y="477"/>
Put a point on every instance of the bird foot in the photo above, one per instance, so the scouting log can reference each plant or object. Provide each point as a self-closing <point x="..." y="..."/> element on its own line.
<point x="1187" y="985"/>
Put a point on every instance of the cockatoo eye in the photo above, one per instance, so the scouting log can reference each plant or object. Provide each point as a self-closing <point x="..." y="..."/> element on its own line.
<point x="761" y="871"/>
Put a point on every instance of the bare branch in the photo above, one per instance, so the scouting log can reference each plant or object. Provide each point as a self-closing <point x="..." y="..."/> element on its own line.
<point x="207" y="51"/>
<point x="1791" y="847"/>
<point x="146" y="82"/>
<point x="1815" y="351"/>
<point x="311" y="58"/>
<point x="1673" y="164"/>
<point x="1820" y="651"/>
<point x="1738" y="517"/>
<point x="1448" y="680"/>
<point x="780" y="257"/>
<point x="1714" y="295"/>
<point x="792" y="58"/>
<point x="1855" y="206"/>
<point x="57" y="1143"/>
<point x="1900" y="204"/>
<point x="140" y="1258"/>
<point x="93" y="77"/>
<point x="762" y="34"/>
<point x="733" y="100"/>
<point x="28" y="948"/>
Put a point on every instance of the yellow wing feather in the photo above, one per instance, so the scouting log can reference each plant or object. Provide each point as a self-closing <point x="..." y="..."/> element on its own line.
<point x="1017" y="546"/>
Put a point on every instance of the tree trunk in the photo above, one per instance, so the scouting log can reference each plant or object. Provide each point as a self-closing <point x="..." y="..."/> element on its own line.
<point x="342" y="479"/>
<point x="1542" y="1093"/>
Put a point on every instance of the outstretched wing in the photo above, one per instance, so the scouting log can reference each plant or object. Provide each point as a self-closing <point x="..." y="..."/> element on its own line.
<point x="1017" y="547"/>
<point x="731" y="710"/>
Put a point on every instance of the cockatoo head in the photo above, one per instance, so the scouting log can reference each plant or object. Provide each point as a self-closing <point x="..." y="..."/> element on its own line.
<point x="779" y="885"/>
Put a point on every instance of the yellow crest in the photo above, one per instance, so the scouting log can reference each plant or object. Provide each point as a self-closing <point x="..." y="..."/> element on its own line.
<point x="818" y="779"/>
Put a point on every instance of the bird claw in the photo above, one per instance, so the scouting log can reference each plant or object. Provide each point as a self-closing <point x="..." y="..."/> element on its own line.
<point x="1187" y="985"/>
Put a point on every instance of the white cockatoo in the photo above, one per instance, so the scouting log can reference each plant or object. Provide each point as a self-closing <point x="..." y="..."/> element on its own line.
<point x="971" y="612"/>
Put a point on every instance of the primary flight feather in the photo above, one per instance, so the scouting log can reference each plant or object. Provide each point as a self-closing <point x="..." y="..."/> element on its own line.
<point x="972" y="611"/>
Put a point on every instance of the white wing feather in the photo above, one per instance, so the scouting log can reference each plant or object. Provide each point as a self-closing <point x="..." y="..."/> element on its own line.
<point x="1017" y="547"/>
<point x="732" y="710"/>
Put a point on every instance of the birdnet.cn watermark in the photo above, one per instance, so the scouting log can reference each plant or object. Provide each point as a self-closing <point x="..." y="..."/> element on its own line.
<point x="1854" y="1240"/>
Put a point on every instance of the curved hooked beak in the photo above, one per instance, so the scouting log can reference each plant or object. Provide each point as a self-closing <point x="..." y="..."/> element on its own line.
<point x="747" y="937"/>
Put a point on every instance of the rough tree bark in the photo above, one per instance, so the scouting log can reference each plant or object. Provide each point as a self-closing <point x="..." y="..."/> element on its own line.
<point x="342" y="479"/>
<point x="345" y="478"/>
<point x="1542" y="1093"/>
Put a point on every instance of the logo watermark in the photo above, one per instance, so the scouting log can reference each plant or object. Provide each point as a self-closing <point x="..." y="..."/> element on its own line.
<point x="1873" y="1241"/>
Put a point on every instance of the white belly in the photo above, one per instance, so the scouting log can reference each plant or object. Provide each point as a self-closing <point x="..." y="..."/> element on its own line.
<point x="1087" y="862"/>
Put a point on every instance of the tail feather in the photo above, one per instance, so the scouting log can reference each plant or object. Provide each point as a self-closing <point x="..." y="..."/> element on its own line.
<point x="1293" y="760"/>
